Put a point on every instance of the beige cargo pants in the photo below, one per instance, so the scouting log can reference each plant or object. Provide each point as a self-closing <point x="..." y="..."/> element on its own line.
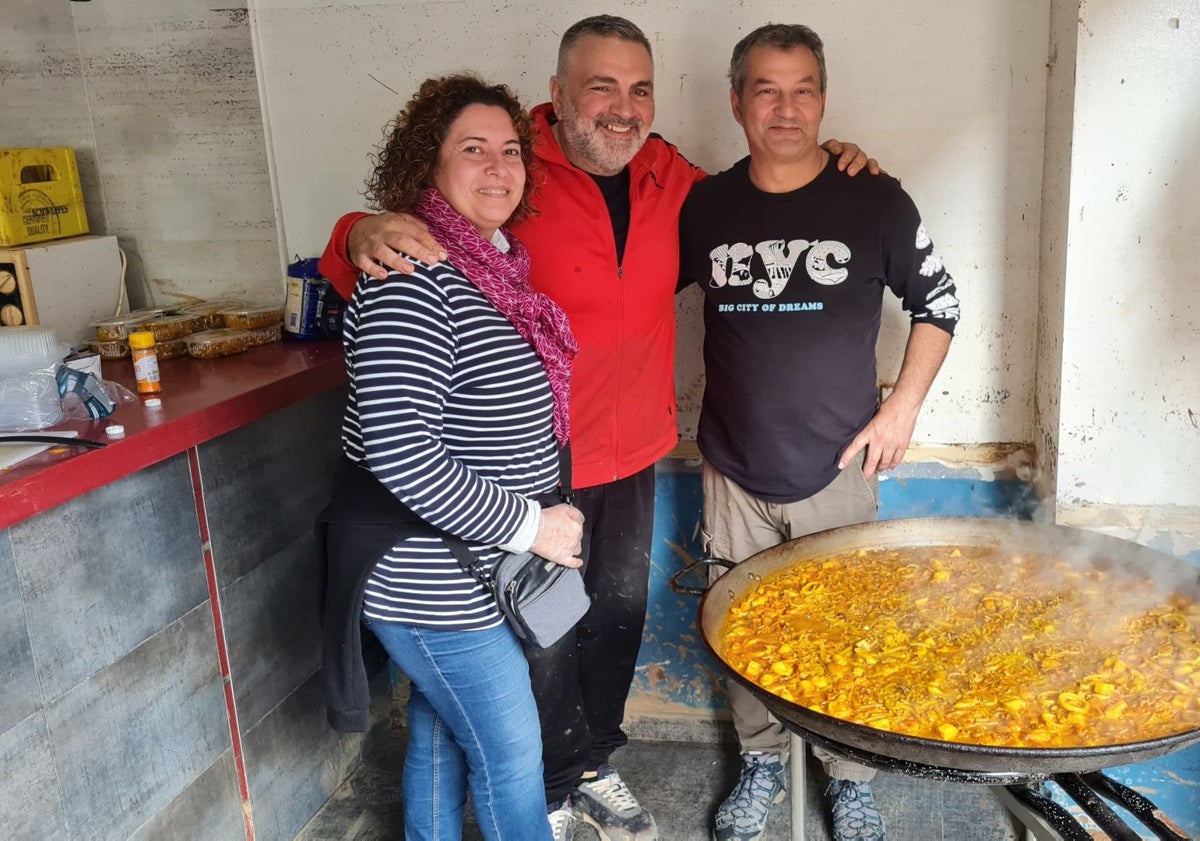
<point x="738" y="525"/>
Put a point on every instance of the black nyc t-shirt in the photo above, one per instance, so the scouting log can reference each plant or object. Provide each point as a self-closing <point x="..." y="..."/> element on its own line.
<point x="793" y="286"/>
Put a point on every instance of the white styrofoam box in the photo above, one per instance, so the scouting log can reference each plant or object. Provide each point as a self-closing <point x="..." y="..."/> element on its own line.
<point x="71" y="282"/>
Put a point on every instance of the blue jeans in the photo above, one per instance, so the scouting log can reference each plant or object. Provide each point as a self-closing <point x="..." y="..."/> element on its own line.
<point x="472" y="722"/>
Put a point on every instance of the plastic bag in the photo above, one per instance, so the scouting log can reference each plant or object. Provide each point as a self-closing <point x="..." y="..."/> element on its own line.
<point x="86" y="396"/>
<point x="38" y="399"/>
<point x="29" y="400"/>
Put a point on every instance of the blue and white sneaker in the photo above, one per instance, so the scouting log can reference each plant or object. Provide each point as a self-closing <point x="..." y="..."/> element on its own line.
<point x="855" y="816"/>
<point x="743" y="815"/>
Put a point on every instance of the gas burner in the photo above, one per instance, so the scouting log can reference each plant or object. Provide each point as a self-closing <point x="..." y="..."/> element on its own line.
<point x="1025" y="795"/>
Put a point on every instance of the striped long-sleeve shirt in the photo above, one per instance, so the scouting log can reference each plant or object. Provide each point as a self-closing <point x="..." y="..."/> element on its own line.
<point x="451" y="410"/>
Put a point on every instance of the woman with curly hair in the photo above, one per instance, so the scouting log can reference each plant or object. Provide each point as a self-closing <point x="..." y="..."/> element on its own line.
<point x="457" y="408"/>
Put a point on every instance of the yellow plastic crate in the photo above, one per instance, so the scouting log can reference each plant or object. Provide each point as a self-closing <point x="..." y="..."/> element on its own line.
<point x="40" y="197"/>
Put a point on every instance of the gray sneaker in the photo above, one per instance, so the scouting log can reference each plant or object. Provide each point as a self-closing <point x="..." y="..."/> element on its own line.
<point x="608" y="805"/>
<point x="743" y="815"/>
<point x="561" y="818"/>
<point x="855" y="817"/>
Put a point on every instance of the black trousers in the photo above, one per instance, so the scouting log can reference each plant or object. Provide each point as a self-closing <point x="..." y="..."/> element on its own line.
<point x="582" y="681"/>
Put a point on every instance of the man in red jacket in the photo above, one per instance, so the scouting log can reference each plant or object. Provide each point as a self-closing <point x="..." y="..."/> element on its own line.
<point x="605" y="247"/>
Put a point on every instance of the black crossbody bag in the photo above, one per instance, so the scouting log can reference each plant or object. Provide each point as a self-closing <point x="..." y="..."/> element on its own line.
<point x="542" y="600"/>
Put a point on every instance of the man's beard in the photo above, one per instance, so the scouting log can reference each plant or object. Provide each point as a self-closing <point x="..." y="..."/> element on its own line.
<point x="586" y="139"/>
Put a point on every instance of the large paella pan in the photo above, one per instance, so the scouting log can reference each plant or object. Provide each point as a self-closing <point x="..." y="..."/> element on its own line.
<point x="1065" y="553"/>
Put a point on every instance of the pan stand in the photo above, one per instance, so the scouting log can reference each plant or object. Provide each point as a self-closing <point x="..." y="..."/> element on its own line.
<point x="799" y="783"/>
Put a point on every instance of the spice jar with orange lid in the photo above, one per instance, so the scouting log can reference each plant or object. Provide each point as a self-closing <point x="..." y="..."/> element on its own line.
<point x="145" y="362"/>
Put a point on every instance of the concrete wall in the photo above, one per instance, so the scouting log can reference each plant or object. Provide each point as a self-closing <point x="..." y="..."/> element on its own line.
<point x="949" y="96"/>
<point x="160" y="100"/>
<point x="1127" y="439"/>
<point x="1131" y="336"/>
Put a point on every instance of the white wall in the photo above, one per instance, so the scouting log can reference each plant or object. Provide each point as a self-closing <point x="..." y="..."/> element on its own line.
<point x="1130" y="410"/>
<point x="950" y="97"/>
<point x="1090" y="168"/>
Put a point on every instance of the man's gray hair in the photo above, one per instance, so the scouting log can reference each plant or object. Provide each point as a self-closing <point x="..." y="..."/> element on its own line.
<point x="781" y="36"/>
<point x="605" y="26"/>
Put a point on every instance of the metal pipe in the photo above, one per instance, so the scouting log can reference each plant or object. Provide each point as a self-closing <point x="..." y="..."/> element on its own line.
<point x="1062" y="821"/>
<point x="1136" y="804"/>
<point x="1096" y="808"/>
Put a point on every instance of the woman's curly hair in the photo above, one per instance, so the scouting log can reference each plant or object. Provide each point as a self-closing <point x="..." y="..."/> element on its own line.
<point x="406" y="161"/>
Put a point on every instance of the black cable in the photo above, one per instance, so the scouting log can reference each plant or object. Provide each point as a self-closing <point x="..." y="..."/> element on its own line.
<point x="52" y="439"/>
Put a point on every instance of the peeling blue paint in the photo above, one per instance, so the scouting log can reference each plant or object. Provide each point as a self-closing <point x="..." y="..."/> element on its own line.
<point x="955" y="497"/>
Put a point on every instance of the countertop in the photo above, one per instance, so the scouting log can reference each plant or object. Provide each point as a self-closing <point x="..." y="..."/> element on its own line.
<point x="201" y="399"/>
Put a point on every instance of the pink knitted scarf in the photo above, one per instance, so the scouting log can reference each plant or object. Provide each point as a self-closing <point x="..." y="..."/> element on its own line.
<point x="504" y="281"/>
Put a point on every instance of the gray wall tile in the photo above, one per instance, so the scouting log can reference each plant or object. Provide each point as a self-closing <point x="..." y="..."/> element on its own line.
<point x="29" y="806"/>
<point x="272" y="630"/>
<point x="265" y="548"/>
<point x="19" y="691"/>
<point x="295" y="736"/>
<point x="129" y="565"/>
<point x="210" y="809"/>
<point x="130" y="739"/>
<point x="290" y="455"/>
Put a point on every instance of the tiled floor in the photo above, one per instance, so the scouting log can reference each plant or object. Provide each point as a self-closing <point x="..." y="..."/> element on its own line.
<point x="681" y="783"/>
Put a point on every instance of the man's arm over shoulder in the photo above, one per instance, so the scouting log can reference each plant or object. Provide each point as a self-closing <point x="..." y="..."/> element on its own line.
<point x="374" y="244"/>
<point x="851" y="159"/>
<point x="335" y="265"/>
<point x="673" y="164"/>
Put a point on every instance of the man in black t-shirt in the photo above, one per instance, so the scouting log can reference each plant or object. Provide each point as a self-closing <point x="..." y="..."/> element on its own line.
<point x="793" y="258"/>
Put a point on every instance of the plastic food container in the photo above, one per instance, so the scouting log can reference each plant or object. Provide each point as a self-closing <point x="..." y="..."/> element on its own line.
<point x="170" y="327"/>
<point x="150" y="312"/>
<point x="118" y="329"/>
<point x="248" y="318"/>
<point x="28" y="348"/>
<point x="266" y="335"/>
<point x="171" y="348"/>
<point x="110" y="350"/>
<point x="214" y="343"/>
<point x="28" y="341"/>
<point x="208" y="313"/>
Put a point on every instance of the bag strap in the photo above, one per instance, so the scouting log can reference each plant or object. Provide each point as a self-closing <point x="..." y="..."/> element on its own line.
<point x="467" y="560"/>
<point x="566" y="493"/>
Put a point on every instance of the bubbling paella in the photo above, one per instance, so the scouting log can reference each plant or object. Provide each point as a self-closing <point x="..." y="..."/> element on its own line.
<point x="973" y="645"/>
